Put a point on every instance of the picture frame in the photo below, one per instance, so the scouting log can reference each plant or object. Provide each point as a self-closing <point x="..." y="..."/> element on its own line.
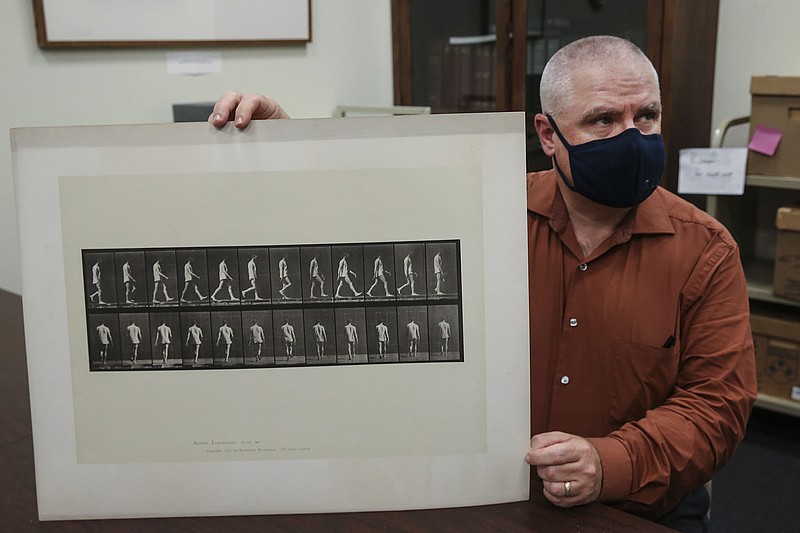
<point x="207" y="23"/>
<point x="194" y="432"/>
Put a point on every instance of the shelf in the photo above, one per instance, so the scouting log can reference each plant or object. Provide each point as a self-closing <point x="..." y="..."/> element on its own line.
<point x="759" y="282"/>
<point x="774" y="182"/>
<point x="778" y="405"/>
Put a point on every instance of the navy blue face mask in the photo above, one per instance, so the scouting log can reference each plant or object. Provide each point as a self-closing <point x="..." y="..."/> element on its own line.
<point x="620" y="171"/>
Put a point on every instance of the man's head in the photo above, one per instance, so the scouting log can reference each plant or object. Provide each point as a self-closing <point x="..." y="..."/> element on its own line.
<point x="562" y="75"/>
<point x="596" y="88"/>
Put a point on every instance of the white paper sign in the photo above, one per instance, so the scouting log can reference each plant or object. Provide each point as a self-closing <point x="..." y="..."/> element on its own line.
<point x="194" y="63"/>
<point x="712" y="171"/>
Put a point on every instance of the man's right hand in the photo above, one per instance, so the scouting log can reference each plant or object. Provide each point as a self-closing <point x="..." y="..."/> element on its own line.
<point x="242" y="108"/>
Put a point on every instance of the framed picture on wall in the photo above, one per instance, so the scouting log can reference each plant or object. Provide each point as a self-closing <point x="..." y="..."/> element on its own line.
<point x="117" y="23"/>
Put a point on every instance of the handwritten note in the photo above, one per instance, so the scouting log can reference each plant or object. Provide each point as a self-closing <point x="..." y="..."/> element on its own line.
<point x="712" y="171"/>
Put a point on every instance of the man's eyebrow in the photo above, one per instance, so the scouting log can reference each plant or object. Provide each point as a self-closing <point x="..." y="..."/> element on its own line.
<point x="604" y="111"/>
<point x="597" y="112"/>
<point x="654" y="107"/>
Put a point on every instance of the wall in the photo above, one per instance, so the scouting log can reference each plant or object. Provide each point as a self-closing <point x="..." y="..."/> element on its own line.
<point x="755" y="37"/>
<point x="349" y="61"/>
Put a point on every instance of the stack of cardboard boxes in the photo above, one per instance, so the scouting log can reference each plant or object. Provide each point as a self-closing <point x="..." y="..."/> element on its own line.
<point x="776" y="104"/>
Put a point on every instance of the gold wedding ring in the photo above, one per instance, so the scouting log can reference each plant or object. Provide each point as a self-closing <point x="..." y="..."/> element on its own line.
<point x="567" y="488"/>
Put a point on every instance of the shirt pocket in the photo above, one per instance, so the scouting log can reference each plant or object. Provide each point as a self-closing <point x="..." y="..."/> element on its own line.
<point x="643" y="378"/>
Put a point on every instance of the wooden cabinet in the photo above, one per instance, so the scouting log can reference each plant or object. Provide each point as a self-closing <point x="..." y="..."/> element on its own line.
<point x="487" y="55"/>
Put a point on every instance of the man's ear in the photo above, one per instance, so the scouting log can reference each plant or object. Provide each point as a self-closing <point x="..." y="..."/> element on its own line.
<point x="546" y="132"/>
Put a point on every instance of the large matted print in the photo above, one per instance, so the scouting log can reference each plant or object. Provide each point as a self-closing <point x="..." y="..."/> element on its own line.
<point x="307" y="316"/>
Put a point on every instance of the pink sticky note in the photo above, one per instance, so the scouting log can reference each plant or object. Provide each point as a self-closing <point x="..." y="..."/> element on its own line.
<point x="765" y="140"/>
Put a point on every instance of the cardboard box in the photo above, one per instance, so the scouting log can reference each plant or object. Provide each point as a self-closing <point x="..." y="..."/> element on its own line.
<point x="777" y="343"/>
<point x="776" y="104"/>
<point x="786" y="280"/>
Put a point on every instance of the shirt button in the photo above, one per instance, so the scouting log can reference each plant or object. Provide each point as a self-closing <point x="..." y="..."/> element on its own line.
<point x="564" y="380"/>
<point x="573" y="322"/>
<point x="583" y="267"/>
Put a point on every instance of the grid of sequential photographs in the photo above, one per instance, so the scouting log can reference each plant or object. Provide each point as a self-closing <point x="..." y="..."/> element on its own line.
<point x="273" y="306"/>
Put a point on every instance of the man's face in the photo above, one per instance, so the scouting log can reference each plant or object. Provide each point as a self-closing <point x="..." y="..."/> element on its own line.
<point x="608" y="99"/>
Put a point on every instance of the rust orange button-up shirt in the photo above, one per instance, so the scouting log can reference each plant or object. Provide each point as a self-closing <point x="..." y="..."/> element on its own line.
<point x="644" y="347"/>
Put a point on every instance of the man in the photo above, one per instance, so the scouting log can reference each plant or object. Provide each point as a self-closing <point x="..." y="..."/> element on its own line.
<point x="413" y="337"/>
<point x="642" y="374"/>
<point x="96" y="281"/>
<point x="321" y="338"/>
<point x="158" y="282"/>
<point x="104" y="335"/>
<point x="438" y="271"/>
<point x="288" y="339"/>
<point x="378" y="274"/>
<point x="343" y="276"/>
<point x="225" y="280"/>
<point x="351" y="333"/>
<point x="408" y="271"/>
<point x="135" y="335"/>
<point x="226" y="333"/>
<point x="316" y="278"/>
<point x="195" y="337"/>
<point x="252" y="275"/>
<point x="164" y="337"/>
<point x="383" y="339"/>
<point x="189" y="278"/>
<point x="638" y="301"/>
<point x="444" y="336"/>
<point x="256" y="339"/>
<point x="129" y="281"/>
<point x="283" y="275"/>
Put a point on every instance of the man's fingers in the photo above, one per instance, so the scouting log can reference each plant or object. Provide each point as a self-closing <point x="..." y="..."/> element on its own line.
<point x="556" y="493"/>
<point x="224" y="108"/>
<point x="265" y="108"/>
<point x="558" y="489"/>
<point x="551" y="449"/>
<point x="249" y="105"/>
<point x="243" y="109"/>
<point x="542" y="440"/>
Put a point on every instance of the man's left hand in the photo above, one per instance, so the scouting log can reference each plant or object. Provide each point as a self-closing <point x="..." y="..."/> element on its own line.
<point x="569" y="467"/>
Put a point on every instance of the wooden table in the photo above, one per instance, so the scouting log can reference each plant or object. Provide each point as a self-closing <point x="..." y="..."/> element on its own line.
<point x="18" y="489"/>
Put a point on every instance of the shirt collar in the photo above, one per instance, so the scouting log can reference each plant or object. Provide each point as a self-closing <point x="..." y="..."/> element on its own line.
<point x="544" y="198"/>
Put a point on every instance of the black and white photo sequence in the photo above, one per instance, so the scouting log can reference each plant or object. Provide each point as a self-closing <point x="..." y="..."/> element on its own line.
<point x="273" y="306"/>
